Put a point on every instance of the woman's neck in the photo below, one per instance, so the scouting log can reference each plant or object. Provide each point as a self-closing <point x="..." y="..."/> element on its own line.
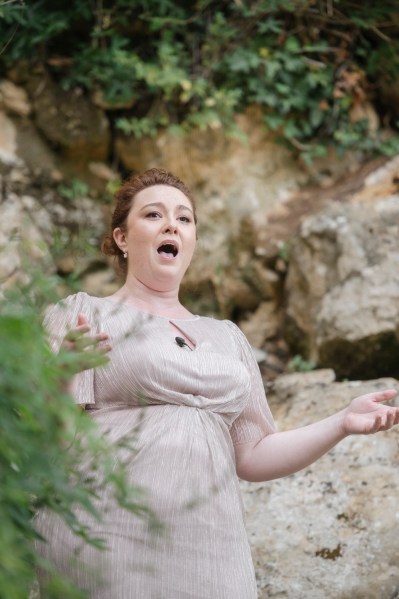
<point x="163" y="303"/>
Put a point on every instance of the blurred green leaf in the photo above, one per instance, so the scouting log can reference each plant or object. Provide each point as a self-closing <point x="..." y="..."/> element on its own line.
<point x="38" y="422"/>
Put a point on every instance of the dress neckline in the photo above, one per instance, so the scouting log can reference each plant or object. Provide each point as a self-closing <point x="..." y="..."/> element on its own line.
<point x="152" y="314"/>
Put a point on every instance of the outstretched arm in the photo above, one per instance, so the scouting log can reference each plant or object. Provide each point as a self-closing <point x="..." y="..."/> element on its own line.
<point x="283" y="453"/>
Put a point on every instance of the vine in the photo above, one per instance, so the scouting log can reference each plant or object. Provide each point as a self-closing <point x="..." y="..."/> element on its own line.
<point x="310" y="66"/>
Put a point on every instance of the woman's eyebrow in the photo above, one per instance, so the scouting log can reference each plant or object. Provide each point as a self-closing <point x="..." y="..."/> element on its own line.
<point x="162" y="205"/>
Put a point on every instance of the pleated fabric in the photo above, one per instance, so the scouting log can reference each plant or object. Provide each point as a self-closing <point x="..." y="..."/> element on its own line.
<point x="182" y="410"/>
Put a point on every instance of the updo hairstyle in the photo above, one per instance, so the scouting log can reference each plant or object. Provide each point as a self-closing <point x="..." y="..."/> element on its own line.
<point x="124" y="198"/>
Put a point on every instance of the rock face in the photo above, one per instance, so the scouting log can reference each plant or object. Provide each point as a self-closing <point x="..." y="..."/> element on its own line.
<point x="41" y="233"/>
<point x="70" y="123"/>
<point x="14" y="99"/>
<point x="243" y="177"/>
<point x="8" y="141"/>
<point x="329" y="531"/>
<point x="237" y="185"/>
<point x="342" y="283"/>
<point x="343" y="288"/>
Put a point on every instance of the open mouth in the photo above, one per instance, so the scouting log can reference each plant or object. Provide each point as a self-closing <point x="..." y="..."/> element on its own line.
<point x="168" y="250"/>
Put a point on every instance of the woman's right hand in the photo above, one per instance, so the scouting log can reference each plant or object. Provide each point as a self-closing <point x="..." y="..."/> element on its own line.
<point x="92" y="349"/>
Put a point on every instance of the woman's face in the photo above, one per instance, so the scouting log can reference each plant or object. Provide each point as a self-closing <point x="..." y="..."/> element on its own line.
<point x="160" y="237"/>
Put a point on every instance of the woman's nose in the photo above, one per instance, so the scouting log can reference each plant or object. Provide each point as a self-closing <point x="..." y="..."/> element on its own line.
<point x="170" y="228"/>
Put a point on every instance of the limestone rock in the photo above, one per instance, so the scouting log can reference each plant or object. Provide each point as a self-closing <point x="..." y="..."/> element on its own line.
<point x="285" y="387"/>
<point x="343" y="289"/>
<point x="70" y="122"/>
<point x="99" y="283"/>
<point x="14" y="99"/>
<point x="262" y="324"/>
<point x="385" y="174"/>
<point x="22" y="239"/>
<point x="8" y="141"/>
<point x="246" y="177"/>
<point x="103" y="171"/>
<point x="33" y="149"/>
<point x="329" y="531"/>
<point x="46" y="234"/>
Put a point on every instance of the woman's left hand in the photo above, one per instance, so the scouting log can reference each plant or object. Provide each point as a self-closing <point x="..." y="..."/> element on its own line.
<point x="366" y="414"/>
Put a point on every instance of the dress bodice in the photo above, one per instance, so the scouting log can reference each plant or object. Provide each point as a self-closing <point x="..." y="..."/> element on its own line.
<point x="147" y="366"/>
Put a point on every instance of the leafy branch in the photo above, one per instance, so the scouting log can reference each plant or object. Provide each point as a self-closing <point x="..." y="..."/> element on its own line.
<point x="186" y="65"/>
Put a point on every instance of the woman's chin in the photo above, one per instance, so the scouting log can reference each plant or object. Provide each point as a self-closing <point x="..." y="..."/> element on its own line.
<point x="163" y="283"/>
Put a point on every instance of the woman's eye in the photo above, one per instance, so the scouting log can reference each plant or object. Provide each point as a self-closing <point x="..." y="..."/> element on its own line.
<point x="185" y="219"/>
<point x="152" y="215"/>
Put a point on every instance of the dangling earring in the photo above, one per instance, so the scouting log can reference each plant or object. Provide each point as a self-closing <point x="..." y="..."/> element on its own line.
<point x="125" y="254"/>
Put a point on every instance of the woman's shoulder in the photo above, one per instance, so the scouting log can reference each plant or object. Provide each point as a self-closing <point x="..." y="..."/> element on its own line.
<point x="73" y="301"/>
<point x="79" y="297"/>
<point x="237" y="336"/>
<point x="70" y="305"/>
<point x="221" y="326"/>
<point x="219" y="323"/>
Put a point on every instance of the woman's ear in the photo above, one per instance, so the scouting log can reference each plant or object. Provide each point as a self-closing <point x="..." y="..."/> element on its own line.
<point x="120" y="238"/>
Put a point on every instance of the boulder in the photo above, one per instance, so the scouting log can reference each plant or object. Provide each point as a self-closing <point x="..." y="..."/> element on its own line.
<point x="242" y="176"/>
<point x="14" y="99"/>
<point x="226" y="271"/>
<point x="23" y="244"/>
<point x="70" y="122"/>
<point x="46" y="234"/>
<point x="8" y="142"/>
<point x="329" y="531"/>
<point x="343" y="289"/>
<point x="262" y="324"/>
<point x="35" y="151"/>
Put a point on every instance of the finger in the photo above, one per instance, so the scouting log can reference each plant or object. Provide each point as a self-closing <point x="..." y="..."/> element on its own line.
<point x="82" y="319"/>
<point x="385" y="420"/>
<point x="376" y="426"/>
<point x="86" y="343"/>
<point x="74" y="334"/>
<point x="104" y="349"/>
<point x="102" y="336"/>
<point x="385" y="395"/>
<point x="100" y="342"/>
<point x="388" y="420"/>
<point x="391" y="419"/>
<point x="92" y="343"/>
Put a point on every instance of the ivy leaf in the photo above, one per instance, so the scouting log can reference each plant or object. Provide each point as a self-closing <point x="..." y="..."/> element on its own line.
<point x="243" y="60"/>
<point x="292" y="44"/>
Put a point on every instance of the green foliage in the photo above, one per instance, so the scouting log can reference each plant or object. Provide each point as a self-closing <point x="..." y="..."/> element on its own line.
<point x="74" y="191"/>
<point x="284" y="250"/>
<point x="43" y="439"/>
<point x="141" y="127"/>
<point x="299" y="364"/>
<point x="184" y="65"/>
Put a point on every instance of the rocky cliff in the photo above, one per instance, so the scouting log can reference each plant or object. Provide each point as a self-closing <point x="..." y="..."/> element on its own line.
<point x="306" y="269"/>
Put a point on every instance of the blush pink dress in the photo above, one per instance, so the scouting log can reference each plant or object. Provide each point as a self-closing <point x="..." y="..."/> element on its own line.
<point x="184" y="410"/>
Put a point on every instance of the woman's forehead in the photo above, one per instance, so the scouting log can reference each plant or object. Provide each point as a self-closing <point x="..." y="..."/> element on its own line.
<point x="165" y="194"/>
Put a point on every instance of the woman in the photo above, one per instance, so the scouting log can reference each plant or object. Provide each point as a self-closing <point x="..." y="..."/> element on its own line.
<point x="189" y="388"/>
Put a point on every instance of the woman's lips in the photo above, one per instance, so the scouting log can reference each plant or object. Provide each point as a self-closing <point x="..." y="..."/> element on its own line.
<point x="168" y="250"/>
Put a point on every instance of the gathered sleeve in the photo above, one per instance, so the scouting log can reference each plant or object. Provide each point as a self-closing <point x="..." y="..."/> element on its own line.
<point x="58" y="320"/>
<point x="256" y="420"/>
